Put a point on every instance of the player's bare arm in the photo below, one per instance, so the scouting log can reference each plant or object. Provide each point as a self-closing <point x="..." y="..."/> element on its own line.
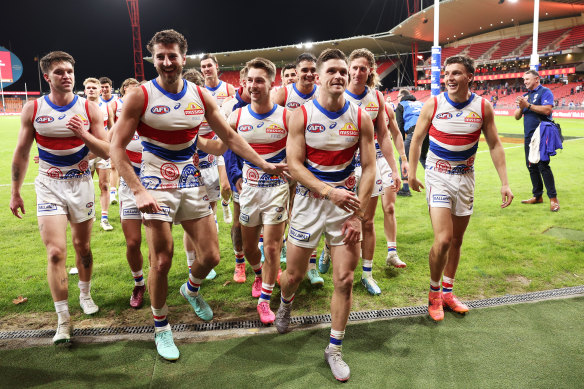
<point x="233" y="140"/>
<point x="21" y="157"/>
<point x="95" y="137"/>
<point x="123" y="133"/>
<point x="211" y="146"/>
<point x="385" y="145"/>
<point x="296" y="155"/>
<point x="398" y="140"/>
<point x="422" y="127"/>
<point x="497" y="153"/>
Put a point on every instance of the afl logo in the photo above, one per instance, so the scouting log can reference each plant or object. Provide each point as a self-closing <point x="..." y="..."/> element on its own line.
<point x="245" y="128"/>
<point x="350" y="182"/>
<point x="444" y="115"/>
<point x="54" y="172"/>
<point x="169" y="171"/>
<point x="160" y="110"/>
<point x="83" y="165"/>
<point x="293" y="105"/>
<point x="88" y="205"/>
<point x="252" y="175"/>
<point x="44" y="119"/>
<point x="315" y="128"/>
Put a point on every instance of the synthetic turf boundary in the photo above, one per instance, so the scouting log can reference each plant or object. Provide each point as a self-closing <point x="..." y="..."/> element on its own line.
<point x="111" y="333"/>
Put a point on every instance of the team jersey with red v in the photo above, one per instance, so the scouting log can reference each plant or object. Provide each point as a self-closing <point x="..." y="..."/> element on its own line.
<point x="118" y="108"/>
<point x="168" y="129"/>
<point x="369" y="101"/>
<point x="455" y="131"/>
<point x="62" y="155"/>
<point x="220" y="92"/>
<point x="266" y="133"/>
<point x="332" y="138"/>
<point x="295" y="98"/>
<point x="103" y="106"/>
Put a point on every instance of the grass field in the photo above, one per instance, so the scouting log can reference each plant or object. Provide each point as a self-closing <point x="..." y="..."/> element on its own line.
<point x="505" y="250"/>
<point x="517" y="346"/>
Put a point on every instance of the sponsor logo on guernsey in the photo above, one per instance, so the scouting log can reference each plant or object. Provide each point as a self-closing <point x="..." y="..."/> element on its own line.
<point x="333" y="125"/>
<point x="260" y="125"/>
<point x="299" y="235"/>
<point x="459" y="114"/>
<point x="177" y="106"/>
<point x="245" y="128"/>
<point x="62" y="117"/>
<point x="275" y="129"/>
<point x="371" y="107"/>
<point x="44" y="119"/>
<point x="444" y="116"/>
<point x="349" y="129"/>
<point x="473" y="117"/>
<point x="440" y="198"/>
<point x="293" y="105"/>
<point x="244" y="217"/>
<point x="160" y="109"/>
<point x="165" y="210"/>
<point x="315" y="128"/>
<point x="194" y="109"/>
<point x="46" y="207"/>
<point x="89" y="205"/>
<point x="169" y="171"/>
<point x="84" y="119"/>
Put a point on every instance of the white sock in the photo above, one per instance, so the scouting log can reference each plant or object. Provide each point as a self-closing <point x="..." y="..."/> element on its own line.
<point x="336" y="339"/>
<point x="138" y="277"/>
<point x="160" y="320"/>
<point x="84" y="288"/>
<point x="62" y="309"/>
<point x="190" y="258"/>
<point x="367" y="267"/>
<point x="266" y="293"/>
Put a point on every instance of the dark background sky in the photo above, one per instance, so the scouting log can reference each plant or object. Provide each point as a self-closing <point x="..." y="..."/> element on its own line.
<point x="98" y="33"/>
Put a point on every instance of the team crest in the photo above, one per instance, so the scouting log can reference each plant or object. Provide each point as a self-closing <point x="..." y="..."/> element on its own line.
<point x="473" y="117"/>
<point x="193" y="109"/>
<point x="349" y="129"/>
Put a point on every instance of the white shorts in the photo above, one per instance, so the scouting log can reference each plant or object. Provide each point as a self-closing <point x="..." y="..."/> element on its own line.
<point x="454" y="191"/>
<point x="382" y="177"/>
<point x="263" y="205"/>
<point x="235" y="196"/>
<point x="101" y="163"/>
<point x="210" y="178"/>
<point x="180" y="204"/>
<point x="220" y="161"/>
<point x="312" y="216"/>
<point x="128" y="208"/>
<point x="72" y="197"/>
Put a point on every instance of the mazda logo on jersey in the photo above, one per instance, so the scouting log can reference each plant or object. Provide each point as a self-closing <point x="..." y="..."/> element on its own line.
<point x="444" y="115"/>
<point x="160" y="109"/>
<point x="44" y="119"/>
<point x="315" y="128"/>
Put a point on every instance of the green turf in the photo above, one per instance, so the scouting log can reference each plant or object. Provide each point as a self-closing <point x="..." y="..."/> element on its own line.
<point x="536" y="345"/>
<point x="504" y="251"/>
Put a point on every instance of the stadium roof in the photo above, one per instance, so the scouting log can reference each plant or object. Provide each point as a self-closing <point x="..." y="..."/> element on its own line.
<point x="464" y="18"/>
<point x="380" y="44"/>
<point x="458" y="19"/>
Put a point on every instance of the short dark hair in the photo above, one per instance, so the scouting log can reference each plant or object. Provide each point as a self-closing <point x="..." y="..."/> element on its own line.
<point x="404" y="92"/>
<point x="265" y="64"/>
<point x="194" y="76"/>
<point x="106" y="80"/>
<point x="288" y="66"/>
<point x="168" y="37"/>
<point x="55" y="56"/>
<point x="329" y="54"/>
<point x="468" y="62"/>
<point x="304" y="57"/>
<point x="211" y="57"/>
<point x="532" y="72"/>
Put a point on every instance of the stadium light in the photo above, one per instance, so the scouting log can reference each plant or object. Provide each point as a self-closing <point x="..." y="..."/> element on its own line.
<point x="308" y="45"/>
<point x="299" y="46"/>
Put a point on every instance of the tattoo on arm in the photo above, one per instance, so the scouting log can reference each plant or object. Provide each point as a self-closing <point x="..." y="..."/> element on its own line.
<point x="87" y="260"/>
<point x="15" y="172"/>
